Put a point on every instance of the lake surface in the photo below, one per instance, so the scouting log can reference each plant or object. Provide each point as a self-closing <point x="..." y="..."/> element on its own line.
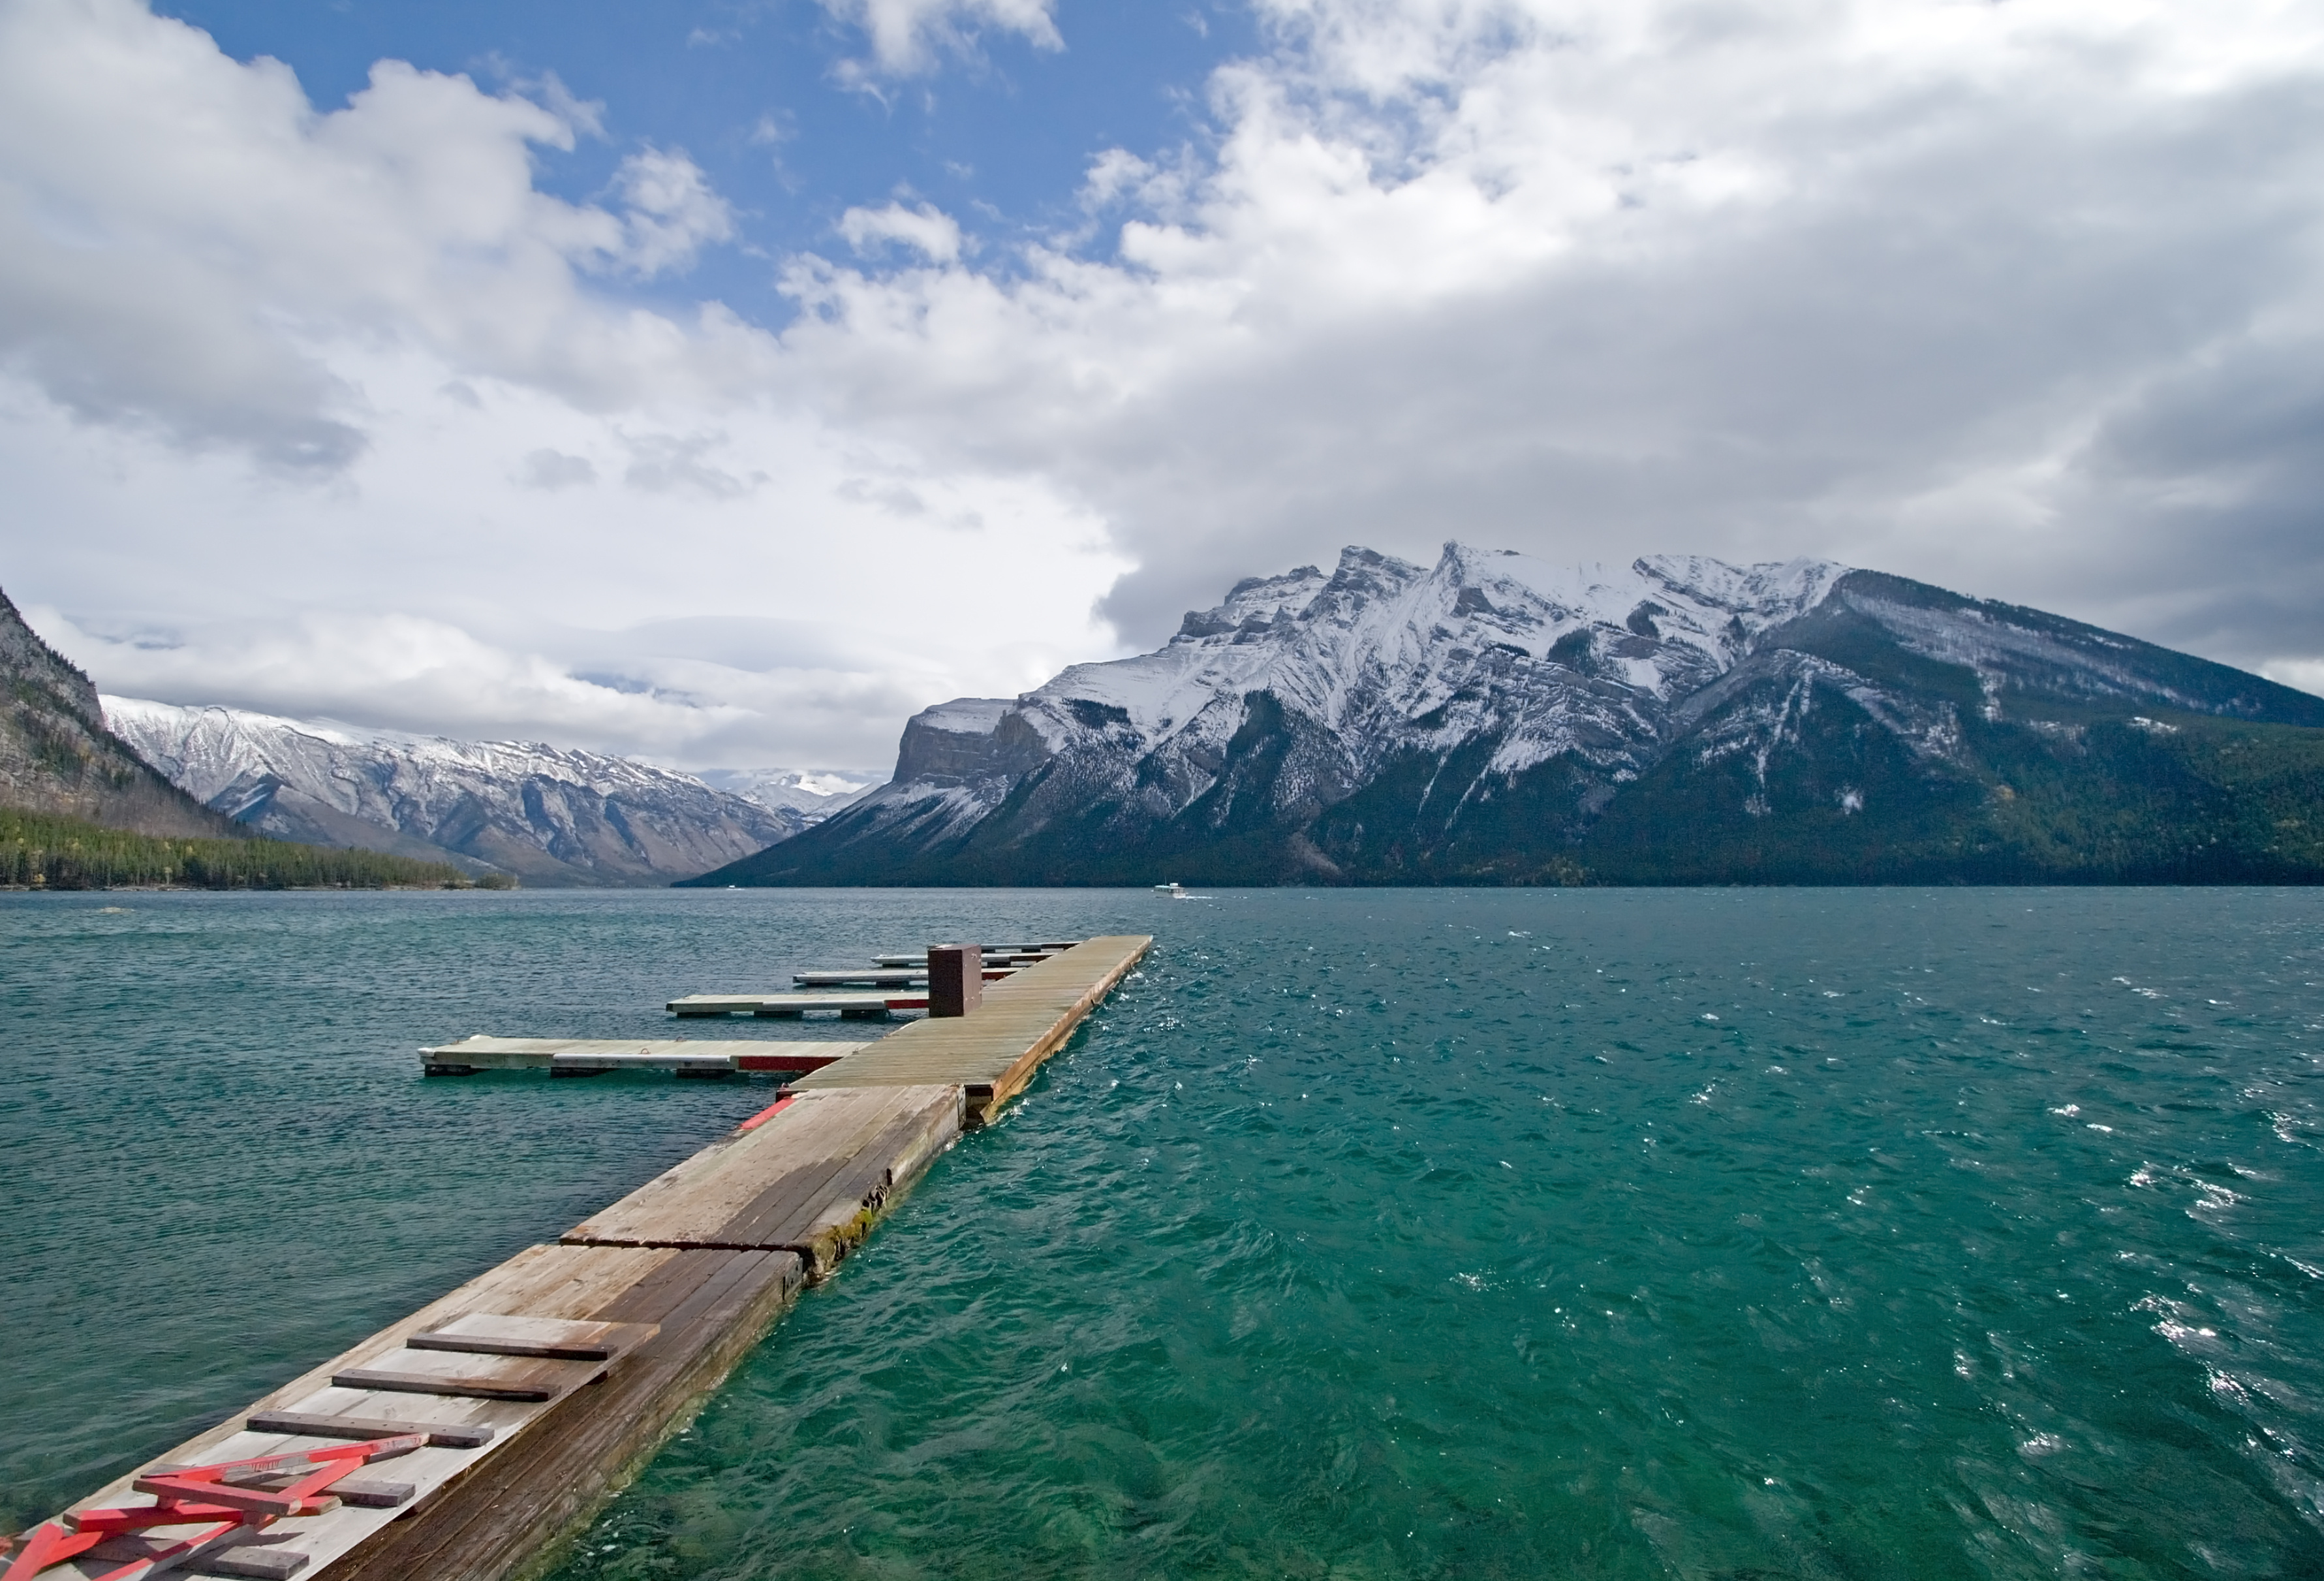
<point x="1364" y="1233"/>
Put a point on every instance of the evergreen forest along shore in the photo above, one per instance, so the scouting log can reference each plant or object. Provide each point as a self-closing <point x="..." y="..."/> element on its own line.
<point x="38" y="851"/>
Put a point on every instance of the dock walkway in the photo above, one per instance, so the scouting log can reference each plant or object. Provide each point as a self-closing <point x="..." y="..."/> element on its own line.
<point x="992" y="1051"/>
<point x="543" y="1383"/>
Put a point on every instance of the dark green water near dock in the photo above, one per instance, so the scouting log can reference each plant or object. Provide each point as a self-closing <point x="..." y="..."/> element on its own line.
<point x="1447" y="1233"/>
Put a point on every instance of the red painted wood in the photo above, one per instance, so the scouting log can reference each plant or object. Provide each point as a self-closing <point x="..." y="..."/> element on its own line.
<point x="176" y="1490"/>
<point x="160" y="1559"/>
<point x="113" y="1523"/>
<point x="48" y="1544"/>
<point x="193" y="1494"/>
<point x="784" y="1061"/>
<point x="767" y="1113"/>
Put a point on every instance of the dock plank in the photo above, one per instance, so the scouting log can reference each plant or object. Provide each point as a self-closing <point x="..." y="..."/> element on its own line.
<point x="824" y="1224"/>
<point x="810" y="1180"/>
<point x="533" y="1382"/>
<point x="305" y="1425"/>
<point x="561" y="1338"/>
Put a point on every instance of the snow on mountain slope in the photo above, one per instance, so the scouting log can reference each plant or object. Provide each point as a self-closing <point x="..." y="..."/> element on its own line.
<point x="550" y="815"/>
<point x="1477" y="718"/>
<point x="1383" y="637"/>
<point x="1384" y="655"/>
<point x="1379" y="658"/>
<point x="814" y="794"/>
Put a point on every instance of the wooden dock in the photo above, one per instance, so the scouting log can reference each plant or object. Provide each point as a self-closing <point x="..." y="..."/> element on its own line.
<point x="893" y="978"/>
<point x="538" y="1386"/>
<point x="883" y="977"/>
<point x="1023" y="952"/>
<point x="796" y="1006"/>
<point x="597" y="1056"/>
<point x="992" y="1052"/>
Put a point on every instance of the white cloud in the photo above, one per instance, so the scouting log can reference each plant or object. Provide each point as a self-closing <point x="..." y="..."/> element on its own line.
<point x="907" y="37"/>
<point x="548" y="468"/>
<point x="671" y="463"/>
<point x="182" y="238"/>
<point x="411" y="671"/>
<point x="763" y="602"/>
<point x="1589" y="279"/>
<point x="2022" y="298"/>
<point x="586" y="116"/>
<point x="671" y="212"/>
<point x="2307" y="674"/>
<point x="934" y="234"/>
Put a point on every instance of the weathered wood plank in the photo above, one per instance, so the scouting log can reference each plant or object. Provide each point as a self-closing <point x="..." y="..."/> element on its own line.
<point x="792" y="1182"/>
<point x="500" y="1333"/>
<point x="416" y="1371"/>
<point x="707" y="1189"/>
<point x="261" y="1558"/>
<point x="374" y="1492"/>
<point x="497" y="1520"/>
<point x="826" y="1223"/>
<point x="315" y="1424"/>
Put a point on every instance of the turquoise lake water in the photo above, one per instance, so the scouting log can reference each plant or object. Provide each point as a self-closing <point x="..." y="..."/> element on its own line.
<point x="1364" y="1233"/>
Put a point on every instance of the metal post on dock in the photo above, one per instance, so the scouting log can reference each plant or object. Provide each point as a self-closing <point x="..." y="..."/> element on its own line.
<point x="955" y="978"/>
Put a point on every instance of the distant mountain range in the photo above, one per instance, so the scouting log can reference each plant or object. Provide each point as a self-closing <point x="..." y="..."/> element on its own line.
<point x="813" y="793"/>
<point x="550" y="815"/>
<point x="1496" y="719"/>
<point x="58" y="758"/>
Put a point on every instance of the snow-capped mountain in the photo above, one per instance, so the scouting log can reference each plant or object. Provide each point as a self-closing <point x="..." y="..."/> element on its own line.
<point x="550" y="815"/>
<point x="1496" y="718"/>
<point x="814" y="794"/>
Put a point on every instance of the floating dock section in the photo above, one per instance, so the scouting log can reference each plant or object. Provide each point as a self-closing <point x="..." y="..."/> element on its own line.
<point x="597" y="1056"/>
<point x="850" y="1006"/>
<point x="503" y="1414"/>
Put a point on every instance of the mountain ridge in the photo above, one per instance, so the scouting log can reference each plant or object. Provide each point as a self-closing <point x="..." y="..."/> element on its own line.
<point x="59" y="759"/>
<point x="548" y="816"/>
<point x="1493" y="718"/>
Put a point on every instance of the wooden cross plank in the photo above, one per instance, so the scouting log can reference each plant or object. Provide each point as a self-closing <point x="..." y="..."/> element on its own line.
<point x="562" y="1339"/>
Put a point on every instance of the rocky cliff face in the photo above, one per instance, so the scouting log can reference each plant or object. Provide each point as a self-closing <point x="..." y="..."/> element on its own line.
<point x="56" y="756"/>
<point x="549" y="817"/>
<point x="1496" y="719"/>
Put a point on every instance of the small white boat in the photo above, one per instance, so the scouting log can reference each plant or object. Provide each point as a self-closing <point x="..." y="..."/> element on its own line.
<point x="1176" y="892"/>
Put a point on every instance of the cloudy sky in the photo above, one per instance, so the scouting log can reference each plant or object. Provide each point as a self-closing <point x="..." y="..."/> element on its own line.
<point x="721" y="381"/>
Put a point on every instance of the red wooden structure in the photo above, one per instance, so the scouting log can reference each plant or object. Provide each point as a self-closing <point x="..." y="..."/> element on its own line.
<point x="220" y="1499"/>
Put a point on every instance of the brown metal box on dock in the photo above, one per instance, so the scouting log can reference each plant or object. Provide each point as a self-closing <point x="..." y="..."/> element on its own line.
<point x="955" y="978"/>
